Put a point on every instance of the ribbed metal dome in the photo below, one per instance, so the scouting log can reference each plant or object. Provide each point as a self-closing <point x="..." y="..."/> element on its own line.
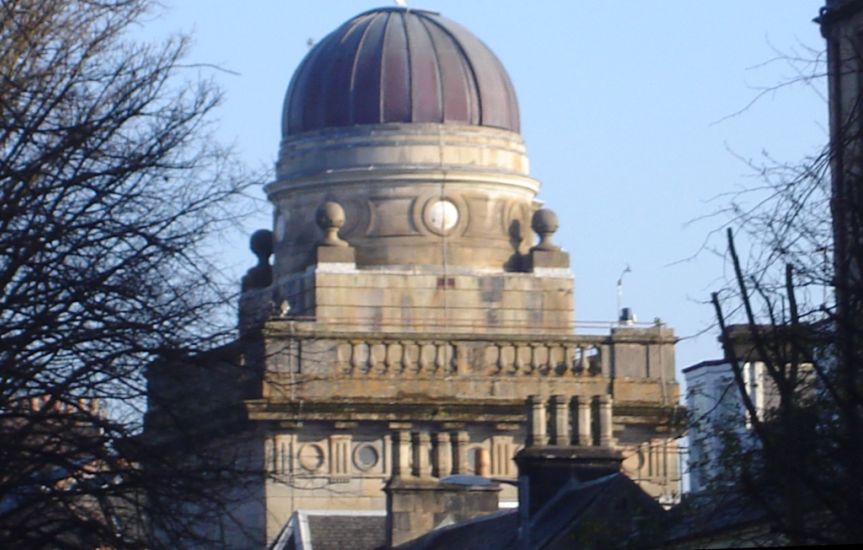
<point x="399" y="65"/>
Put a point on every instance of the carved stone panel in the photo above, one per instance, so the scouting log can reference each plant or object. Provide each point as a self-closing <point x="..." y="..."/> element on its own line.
<point x="391" y="217"/>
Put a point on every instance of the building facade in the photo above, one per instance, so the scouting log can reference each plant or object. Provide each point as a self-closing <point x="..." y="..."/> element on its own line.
<point x="416" y="296"/>
<point x="715" y="405"/>
<point x="842" y="26"/>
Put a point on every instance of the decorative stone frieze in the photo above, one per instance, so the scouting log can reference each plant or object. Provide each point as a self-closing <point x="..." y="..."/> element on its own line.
<point x="340" y="455"/>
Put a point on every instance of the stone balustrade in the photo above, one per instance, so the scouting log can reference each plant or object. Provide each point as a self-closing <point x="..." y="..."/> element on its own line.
<point x="307" y="362"/>
<point x="453" y="356"/>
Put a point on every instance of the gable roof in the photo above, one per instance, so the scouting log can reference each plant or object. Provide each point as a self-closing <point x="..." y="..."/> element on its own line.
<point x="333" y="530"/>
<point x="609" y="509"/>
<point x="497" y="530"/>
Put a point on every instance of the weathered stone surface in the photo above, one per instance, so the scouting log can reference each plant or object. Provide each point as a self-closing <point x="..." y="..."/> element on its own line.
<point x="416" y="506"/>
<point x="335" y="254"/>
<point x="548" y="258"/>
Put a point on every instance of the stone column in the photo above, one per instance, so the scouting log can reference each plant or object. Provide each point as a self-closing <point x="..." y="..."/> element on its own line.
<point x="537" y="421"/>
<point x="483" y="463"/>
<point x="606" y="437"/>
<point x="401" y="452"/>
<point x="584" y="438"/>
<point x="560" y="436"/>
<point x="421" y="454"/>
<point x="460" y="442"/>
<point x="443" y="455"/>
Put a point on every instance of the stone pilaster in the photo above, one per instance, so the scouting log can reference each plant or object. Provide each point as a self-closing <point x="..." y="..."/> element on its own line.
<point x="443" y="455"/>
<point x="460" y="441"/>
<point x="606" y="437"/>
<point x="502" y="451"/>
<point x="537" y="421"/>
<point x="401" y="452"/>
<point x="560" y="405"/>
<point x="483" y="463"/>
<point x="340" y="455"/>
<point x="421" y="454"/>
<point x="583" y="421"/>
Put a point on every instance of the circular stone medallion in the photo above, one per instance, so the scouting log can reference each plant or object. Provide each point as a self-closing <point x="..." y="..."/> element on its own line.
<point x="365" y="457"/>
<point x="311" y="457"/>
<point x="441" y="216"/>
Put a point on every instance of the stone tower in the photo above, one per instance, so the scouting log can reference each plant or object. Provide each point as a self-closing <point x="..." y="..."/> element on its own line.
<point x="842" y="26"/>
<point x="416" y="297"/>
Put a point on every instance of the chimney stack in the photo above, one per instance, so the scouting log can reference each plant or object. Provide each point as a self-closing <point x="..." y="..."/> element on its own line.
<point x="421" y="496"/>
<point x="543" y="469"/>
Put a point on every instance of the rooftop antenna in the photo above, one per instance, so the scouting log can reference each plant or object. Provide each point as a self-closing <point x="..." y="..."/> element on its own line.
<point x="626" y="270"/>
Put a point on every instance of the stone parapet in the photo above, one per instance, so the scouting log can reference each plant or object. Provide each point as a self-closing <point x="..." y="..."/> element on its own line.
<point x="321" y="352"/>
<point x="411" y="355"/>
<point x="338" y="296"/>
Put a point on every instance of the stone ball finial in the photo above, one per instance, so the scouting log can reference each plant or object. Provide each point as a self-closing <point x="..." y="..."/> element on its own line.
<point x="261" y="244"/>
<point x="261" y="275"/>
<point x="544" y="223"/>
<point x="331" y="218"/>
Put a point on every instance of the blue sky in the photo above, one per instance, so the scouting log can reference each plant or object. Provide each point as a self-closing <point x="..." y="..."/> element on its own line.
<point x="626" y="107"/>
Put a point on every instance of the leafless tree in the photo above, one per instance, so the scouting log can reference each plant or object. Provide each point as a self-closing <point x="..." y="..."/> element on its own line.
<point x="795" y="305"/>
<point x="110" y="184"/>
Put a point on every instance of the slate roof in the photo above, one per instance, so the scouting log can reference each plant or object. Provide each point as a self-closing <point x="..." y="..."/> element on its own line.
<point x="333" y="530"/>
<point x="713" y="514"/>
<point x="608" y="511"/>
<point x="342" y="532"/>
<point x="498" y="530"/>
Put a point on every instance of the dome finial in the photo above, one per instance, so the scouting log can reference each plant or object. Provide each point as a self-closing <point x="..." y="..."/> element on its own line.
<point x="260" y="276"/>
<point x="544" y="222"/>
<point x="331" y="218"/>
<point x="401" y="3"/>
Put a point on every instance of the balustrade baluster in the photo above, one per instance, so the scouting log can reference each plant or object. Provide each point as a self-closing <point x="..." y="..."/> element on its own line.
<point x="410" y="357"/>
<point x="377" y="358"/>
<point x="394" y="357"/>
<point x="557" y="360"/>
<point x="583" y="364"/>
<point x="343" y="357"/>
<point x="359" y="357"/>
<point x="507" y="359"/>
<point x="428" y="353"/>
<point x="569" y="365"/>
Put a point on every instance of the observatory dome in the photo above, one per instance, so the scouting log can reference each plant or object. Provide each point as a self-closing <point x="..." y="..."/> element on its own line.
<point x="410" y="124"/>
<point x="399" y="65"/>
